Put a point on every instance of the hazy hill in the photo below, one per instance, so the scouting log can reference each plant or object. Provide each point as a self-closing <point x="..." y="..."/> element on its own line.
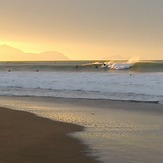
<point x="8" y="53"/>
<point x="7" y="50"/>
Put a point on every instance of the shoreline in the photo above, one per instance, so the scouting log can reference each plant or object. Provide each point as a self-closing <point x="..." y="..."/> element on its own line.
<point x="121" y="104"/>
<point x="121" y="121"/>
<point x="25" y="137"/>
<point x="86" y="99"/>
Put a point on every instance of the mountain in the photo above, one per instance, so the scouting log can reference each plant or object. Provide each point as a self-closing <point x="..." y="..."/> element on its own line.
<point x="10" y="50"/>
<point x="8" y="53"/>
<point x="51" y="54"/>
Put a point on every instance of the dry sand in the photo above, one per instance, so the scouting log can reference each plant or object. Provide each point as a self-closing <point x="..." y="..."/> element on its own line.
<point x="26" y="138"/>
<point x="134" y="131"/>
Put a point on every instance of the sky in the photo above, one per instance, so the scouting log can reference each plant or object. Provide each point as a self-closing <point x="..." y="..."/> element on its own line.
<point x="84" y="29"/>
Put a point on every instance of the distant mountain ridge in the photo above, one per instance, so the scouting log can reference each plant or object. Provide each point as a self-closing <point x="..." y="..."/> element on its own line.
<point x="8" y="53"/>
<point x="8" y="49"/>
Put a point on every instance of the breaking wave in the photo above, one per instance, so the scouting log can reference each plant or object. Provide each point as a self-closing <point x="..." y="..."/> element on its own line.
<point x="134" y="66"/>
<point x="138" y="66"/>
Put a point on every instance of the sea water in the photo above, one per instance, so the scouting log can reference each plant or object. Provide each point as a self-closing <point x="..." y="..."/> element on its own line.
<point x="116" y="135"/>
<point x="117" y="81"/>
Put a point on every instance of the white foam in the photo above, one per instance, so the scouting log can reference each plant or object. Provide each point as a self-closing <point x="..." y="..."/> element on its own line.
<point x="118" y="65"/>
<point x="119" y="86"/>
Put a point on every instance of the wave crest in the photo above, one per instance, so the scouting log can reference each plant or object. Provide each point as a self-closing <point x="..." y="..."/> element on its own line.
<point x="117" y="65"/>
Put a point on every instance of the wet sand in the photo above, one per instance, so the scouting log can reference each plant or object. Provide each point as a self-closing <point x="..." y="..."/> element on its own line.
<point x="120" y="131"/>
<point x="25" y="137"/>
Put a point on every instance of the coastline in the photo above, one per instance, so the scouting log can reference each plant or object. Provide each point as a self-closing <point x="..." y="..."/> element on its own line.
<point x="25" y="137"/>
<point x="114" y="131"/>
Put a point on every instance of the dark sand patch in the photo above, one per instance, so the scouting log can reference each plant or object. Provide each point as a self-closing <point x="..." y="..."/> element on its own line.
<point x="25" y="137"/>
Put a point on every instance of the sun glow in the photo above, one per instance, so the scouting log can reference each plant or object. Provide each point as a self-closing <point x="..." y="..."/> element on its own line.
<point x="25" y="47"/>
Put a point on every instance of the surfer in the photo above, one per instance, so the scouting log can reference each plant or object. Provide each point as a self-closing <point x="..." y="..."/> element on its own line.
<point x="104" y="65"/>
<point x="77" y="66"/>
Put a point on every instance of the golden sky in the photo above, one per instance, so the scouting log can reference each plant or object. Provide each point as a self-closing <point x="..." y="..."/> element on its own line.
<point x="84" y="29"/>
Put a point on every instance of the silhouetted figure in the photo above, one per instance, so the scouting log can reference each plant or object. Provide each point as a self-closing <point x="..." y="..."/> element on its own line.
<point x="77" y="66"/>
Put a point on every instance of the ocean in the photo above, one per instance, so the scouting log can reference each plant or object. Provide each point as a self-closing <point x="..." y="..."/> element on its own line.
<point x="119" y="103"/>
<point x="140" y="81"/>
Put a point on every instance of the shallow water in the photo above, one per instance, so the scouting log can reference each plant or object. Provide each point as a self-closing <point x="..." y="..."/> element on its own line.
<point x="92" y="85"/>
<point x="116" y="131"/>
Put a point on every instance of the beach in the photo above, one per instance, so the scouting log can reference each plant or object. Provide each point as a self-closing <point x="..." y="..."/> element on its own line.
<point x="112" y="131"/>
<point x="25" y="137"/>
